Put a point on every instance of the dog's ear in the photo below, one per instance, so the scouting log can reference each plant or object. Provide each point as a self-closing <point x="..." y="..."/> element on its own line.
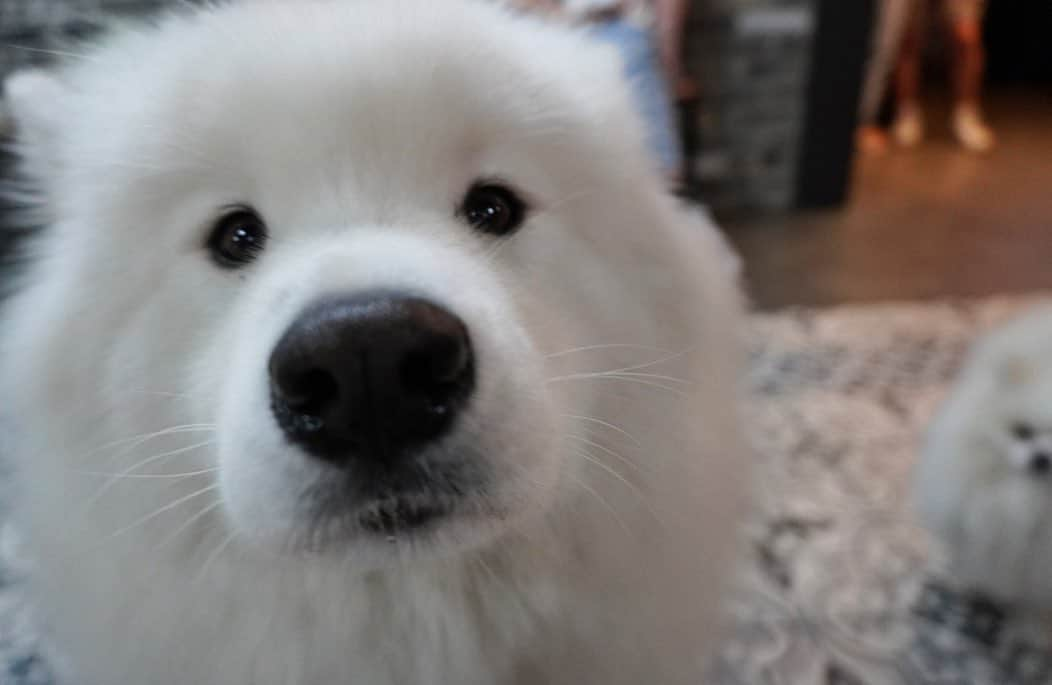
<point x="38" y="105"/>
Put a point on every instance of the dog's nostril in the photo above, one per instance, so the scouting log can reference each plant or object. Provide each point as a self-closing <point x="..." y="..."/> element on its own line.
<point x="437" y="364"/>
<point x="308" y="392"/>
<point x="370" y="376"/>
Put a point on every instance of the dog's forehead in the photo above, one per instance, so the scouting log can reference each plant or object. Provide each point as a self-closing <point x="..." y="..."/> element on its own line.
<point x="335" y="116"/>
<point x="383" y="63"/>
<point x="406" y="83"/>
<point x="403" y="103"/>
<point x="383" y="103"/>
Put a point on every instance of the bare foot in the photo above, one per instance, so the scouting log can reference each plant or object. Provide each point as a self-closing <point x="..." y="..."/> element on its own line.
<point x="972" y="131"/>
<point x="908" y="128"/>
<point x="872" y="140"/>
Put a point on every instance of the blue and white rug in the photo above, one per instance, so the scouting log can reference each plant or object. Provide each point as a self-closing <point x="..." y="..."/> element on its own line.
<point x="843" y="588"/>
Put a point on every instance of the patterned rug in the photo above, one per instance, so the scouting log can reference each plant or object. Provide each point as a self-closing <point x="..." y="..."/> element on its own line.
<point x="843" y="588"/>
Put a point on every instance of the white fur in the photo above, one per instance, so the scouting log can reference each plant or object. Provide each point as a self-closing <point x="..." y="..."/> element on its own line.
<point x="973" y="488"/>
<point x="354" y="128"/>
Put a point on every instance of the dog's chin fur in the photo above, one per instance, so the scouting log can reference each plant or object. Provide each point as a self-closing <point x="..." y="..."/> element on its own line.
<point x="976" y="489"/>
<point x="576" y="523"/>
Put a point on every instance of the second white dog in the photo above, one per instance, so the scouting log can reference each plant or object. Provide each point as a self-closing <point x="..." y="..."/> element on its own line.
<point x="984" y="483"/>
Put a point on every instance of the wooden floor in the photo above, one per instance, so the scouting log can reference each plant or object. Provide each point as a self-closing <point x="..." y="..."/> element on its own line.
<point x="921" y="224"/>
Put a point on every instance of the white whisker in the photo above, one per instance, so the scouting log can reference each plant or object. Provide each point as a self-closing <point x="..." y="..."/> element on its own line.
<point x="591" y="459"/>
<point x="649" y="383"/>
<point x="165" y="508"/>
<point x="146" y="437"/>
<point x="162" y="393"/>
<point x="632" y="487"/>
<point x="609" y="346"/>
<point x="187" y="523"/>
<point x="54" y="53"/>
<point x="486" y="567"/>
<point x="592" y="443"/>
<point x="144" y="476"/>
<point x="617" y="377"/>
<point x="606" y="505"/>
<point x="220" y="548"/>
<point x="654" y="376"/>
<point x="647" y="365"/>
<point x="617" y="373"/>
<point x="606" y="424"/>
<point x="145" y="462"/>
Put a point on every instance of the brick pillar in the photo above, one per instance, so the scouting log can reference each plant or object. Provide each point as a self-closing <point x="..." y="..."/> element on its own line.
<point x="752" y="59"/>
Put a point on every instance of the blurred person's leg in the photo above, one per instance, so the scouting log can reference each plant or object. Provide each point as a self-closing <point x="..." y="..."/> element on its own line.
<point x="892" y="20"/>
<point x="670" y="19"/>
<point x="643" y="69"/>
<point x="908" y="127"/>
<point x="969" y="57"/>
<point x="651" y="59"/>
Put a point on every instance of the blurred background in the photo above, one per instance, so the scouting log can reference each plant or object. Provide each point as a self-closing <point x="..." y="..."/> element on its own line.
<point x="821" y="220"/>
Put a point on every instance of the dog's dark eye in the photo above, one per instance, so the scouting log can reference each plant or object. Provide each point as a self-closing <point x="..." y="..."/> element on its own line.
<point x="1022" y="431"/>
<point x="493" y="208"/>
<point x="238" y="237"/>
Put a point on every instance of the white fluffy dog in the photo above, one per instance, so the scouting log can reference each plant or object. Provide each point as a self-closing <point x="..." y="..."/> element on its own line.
<point x="364" y="346"/>
<point x="984" y="482"/>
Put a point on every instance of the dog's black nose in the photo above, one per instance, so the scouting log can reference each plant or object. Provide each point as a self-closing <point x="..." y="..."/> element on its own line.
<point x="370" y="376"/>
<point x="1040" y="464"/>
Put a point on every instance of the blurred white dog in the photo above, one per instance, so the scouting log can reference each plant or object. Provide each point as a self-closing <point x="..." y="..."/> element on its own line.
<point x="984" y="483"/>
<point x="364" y="346"/>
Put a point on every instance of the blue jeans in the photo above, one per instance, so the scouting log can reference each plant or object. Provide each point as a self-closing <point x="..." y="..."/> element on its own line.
<point x="642" y="68"/>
